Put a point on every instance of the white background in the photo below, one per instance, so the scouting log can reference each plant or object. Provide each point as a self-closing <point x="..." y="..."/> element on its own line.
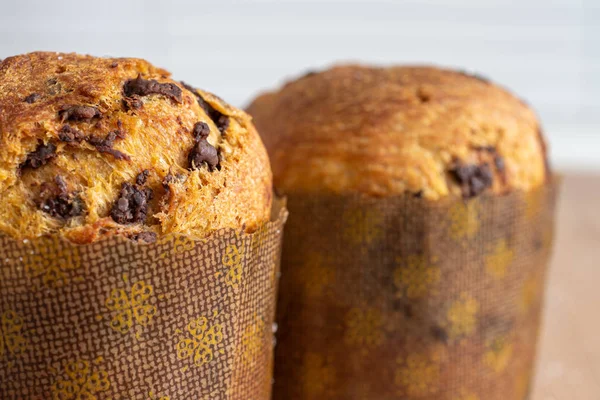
<point x="548" y="51"/>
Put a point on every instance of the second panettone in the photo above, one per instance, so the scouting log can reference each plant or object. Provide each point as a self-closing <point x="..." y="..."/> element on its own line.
<point x="421" y="220"/>
<point x="388" y="131"/>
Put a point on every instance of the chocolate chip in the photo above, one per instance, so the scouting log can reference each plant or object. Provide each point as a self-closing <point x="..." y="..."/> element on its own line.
<point x="32" y="98"/>
<point x="69" y="134"/>
<point x="62" y="204"/>
<point x="78" y="113"/>
<point x="203" y="152"/>
<point x="42" y="154"/>
<point x="474" y="179"/>
<point x="201" y="131"/>
<point x="219" y="119"/>
<point x="222" y="123"/>
<point x="119" y="155"/>
<point x="166" y="183"/>
<point x="142" y="177"/>
<point x="143" y="87"/>
<point x="145" y="237"/>
<point x="132" y="103"/>
<point x="132" y="205"/>
<point x="106" y="145"/>
<point x="168" y="180"/>
<point x="114" y="65"/>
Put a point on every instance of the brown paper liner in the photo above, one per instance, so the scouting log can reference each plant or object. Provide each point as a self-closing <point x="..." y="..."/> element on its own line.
<point x="178" y="319"/>
<point x="400" y="298"/>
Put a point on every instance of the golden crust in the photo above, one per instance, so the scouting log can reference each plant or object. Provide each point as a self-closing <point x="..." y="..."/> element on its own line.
<point x="154" y="130"/>
<point x="388" y="131"/>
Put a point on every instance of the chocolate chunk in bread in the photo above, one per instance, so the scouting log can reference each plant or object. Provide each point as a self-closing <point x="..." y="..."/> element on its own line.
<point x="78" y="113"/>
<point x="132" y="205"/>
<point x="59" y="203"/>
<point x="32" y="98"/>
<point x="132" y="103"/>
<point x="68" y="134"/>
<point x="144" y="237"/>
<point x="106" y="145"/>
<point x="220" y="120"/>
<point x="143" y="87"/>
<point x="202" y="152"/>
<point x="142" y="177"/>
<point x="42" y="154"/>
<point x="201" y="131"/>
<point x="498" y="159"/>
<point x="222" y="123"/>
<point x="474" y="179"/>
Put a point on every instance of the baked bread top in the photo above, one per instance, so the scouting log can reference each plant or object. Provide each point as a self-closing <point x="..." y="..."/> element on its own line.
<point x="424" y="131"/>
<point x="100" y="146"/>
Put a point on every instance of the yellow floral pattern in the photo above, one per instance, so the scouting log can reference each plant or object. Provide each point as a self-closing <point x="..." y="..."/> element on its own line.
<point x="498" y="354"/>
<point x="417" y="375"/>
<point x="316" y="274"/>
<point x="499" y="259"/>
<point x="415" y="276"/>
<point x="80" y="382"/>
<point x="364" y="328"/>
<point x="233" y="264"/>
<point x="52" y="261"/>
<point x="462" y="316"/>
<point x="177" y="244"/>
<point x="362" y="225"/>
<point x="131" y="307"/>
<point x="200" y="341"/>
<point x="317" y="375"/>
<point x="252" y="340"/>
<point x="11" y="337"/>
<point x="464" y="219"/>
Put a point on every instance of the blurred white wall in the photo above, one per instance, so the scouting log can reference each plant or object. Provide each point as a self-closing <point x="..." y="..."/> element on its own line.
<point x="548" y="51"/>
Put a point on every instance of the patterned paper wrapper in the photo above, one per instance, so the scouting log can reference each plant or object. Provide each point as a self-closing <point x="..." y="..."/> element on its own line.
<point x="400" y="298"/>
<point x="177" y="319"/>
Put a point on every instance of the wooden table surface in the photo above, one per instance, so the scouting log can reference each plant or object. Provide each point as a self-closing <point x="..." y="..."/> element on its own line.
<point x="569" y="354"/>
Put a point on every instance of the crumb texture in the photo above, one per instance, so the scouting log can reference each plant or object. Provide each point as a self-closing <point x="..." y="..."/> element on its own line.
<point x="102" y="146"/>
<point x="423" y="131"/>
